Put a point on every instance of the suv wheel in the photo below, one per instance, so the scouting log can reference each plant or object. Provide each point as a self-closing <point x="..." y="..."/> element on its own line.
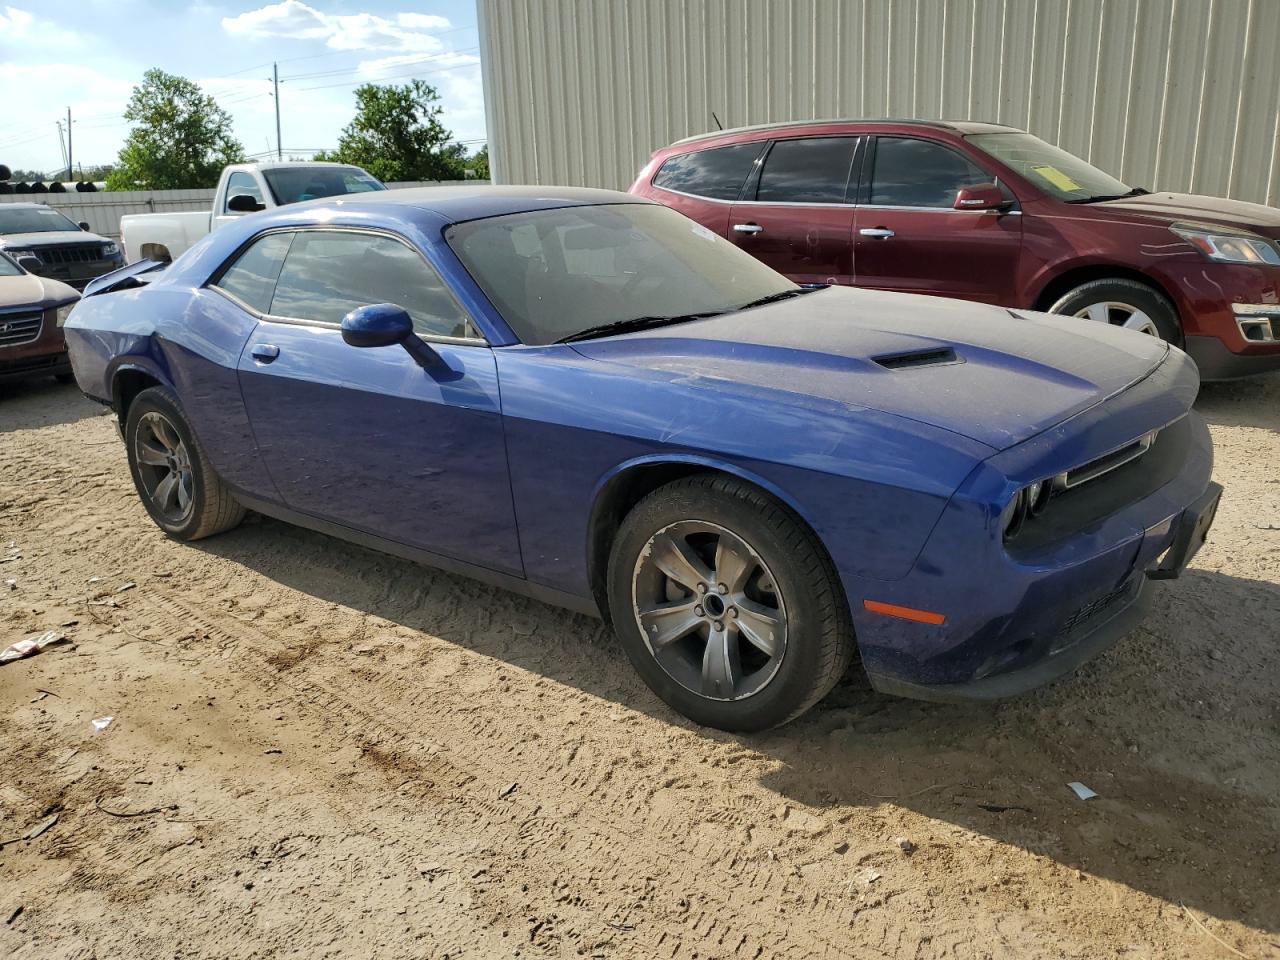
<point x="727" y="605"/>
<point x="1123" y="303"/>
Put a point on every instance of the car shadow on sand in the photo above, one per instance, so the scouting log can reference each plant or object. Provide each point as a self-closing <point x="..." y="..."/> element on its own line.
<point x="30" y="404"/>
<point x="1253" y="402"/>
<point x="1175" y="728"/>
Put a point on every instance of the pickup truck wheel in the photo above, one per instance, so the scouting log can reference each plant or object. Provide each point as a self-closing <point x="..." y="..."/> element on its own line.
<point x="180" y="490"/>
<point x="727" y="605"/>
<point x="1123" y="303"/>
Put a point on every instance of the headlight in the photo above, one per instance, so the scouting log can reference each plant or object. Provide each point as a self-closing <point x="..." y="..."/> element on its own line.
<point x="1225" y="247"/>
<point x="64" y="311"/>
<point x="110" y="250"/>
<point x="16" y="254"/>
<point x="1030" y="501"/>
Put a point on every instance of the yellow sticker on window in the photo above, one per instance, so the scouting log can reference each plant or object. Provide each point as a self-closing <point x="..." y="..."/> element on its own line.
<point x="1057" y="178"/>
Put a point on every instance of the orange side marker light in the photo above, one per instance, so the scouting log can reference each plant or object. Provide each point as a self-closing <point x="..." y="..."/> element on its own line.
<point x="904" y="613"/>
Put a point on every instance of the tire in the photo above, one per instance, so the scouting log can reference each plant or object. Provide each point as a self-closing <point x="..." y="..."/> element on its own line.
<point x="774" y="568"/>
<point x="65" y="377"/>
<point x="1112" y="298"/>
<point x="156" y="427"/>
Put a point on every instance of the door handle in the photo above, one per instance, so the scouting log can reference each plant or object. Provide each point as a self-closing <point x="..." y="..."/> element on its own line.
<point x="747" y="228"/>
<point x="882" y="232"/>
<point x="264" y="352"/>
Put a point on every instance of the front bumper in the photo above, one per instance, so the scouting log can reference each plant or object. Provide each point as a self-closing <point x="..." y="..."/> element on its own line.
<point x="1035" y="608"/>
<point x="1089" y="631"/>
<point x="1216" y="362"/>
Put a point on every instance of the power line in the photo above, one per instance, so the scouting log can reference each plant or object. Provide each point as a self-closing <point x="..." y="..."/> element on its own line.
<point x="390" y="76"/>
<point x="427" y="58"/>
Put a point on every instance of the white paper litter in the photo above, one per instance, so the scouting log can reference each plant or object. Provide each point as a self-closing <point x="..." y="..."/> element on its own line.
<point x="102" y="723"/>
<point x="32" y="644"/>
<point x="1083" y="792"/>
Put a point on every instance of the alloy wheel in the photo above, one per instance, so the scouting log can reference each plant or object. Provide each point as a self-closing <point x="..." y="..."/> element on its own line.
<point x="710" y="610"/>
<point x="164" y="467"/>
<point x="1119" y="315"/>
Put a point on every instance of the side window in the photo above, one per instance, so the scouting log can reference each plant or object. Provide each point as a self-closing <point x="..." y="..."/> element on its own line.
<point x="328" y="273"/>
<point x="717" y="173"/>
<point x="240" y="184"/>
<point x="252" y="278"/>
<point x="815" y="170"/>
<point x="918" y="173"/>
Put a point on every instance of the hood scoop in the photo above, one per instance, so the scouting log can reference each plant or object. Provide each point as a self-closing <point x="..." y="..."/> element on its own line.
<point x="917" y="358"/>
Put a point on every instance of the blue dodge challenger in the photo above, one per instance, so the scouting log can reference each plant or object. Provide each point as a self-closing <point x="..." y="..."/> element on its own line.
<point x="587" y="398"/>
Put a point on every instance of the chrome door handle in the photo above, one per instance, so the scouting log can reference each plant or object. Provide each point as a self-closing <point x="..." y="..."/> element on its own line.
<point x="881" y="232"/>
<point x="264" y="352"/>
<point x="747" y="228"/>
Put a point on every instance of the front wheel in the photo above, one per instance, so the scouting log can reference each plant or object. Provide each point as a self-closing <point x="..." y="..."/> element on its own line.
<point x="1123" y="303"/>
<point x="727" y="605"/>
<point x="180" y="490"/>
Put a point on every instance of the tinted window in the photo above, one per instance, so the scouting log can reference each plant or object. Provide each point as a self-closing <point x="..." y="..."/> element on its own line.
<point x="327" y="274"/>
<point x="32" y="220"/>
<point x="241" y="184"/>
<point x="554" y="273"/>
<point x="252" y="278"/>
<point x="303" y="182"/>
<point x="917" y="173"/>
<point x="717" y="173"/>
<point x="807" y="171"/>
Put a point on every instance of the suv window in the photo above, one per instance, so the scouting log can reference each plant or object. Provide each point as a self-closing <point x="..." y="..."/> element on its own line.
<point x="813" y="170"/>
<point x="328" y="273"/>
<point x="252" y="277"/>
<point x="240" y="184"/>
<point x="918" y="173"/>
<point x="718" y="173"/>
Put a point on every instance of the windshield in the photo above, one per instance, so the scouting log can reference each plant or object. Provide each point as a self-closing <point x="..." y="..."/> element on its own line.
<point x="8" y="268"/>
<point x="556" y="273"/>
<point x="1052" y="169"/>
<point x="295" y="184"/>
<point x="33" y="220"/>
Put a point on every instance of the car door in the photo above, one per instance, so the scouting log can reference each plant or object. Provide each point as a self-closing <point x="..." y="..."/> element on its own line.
<point x="239" y="183"/>
<point x="367" y="438"/>
<point x="703" y="184"/>
<point x="909" y="236"/>
<point x="797" y="217"/>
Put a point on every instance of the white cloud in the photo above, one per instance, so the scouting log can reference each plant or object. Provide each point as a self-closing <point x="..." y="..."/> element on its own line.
<point x="294" y="19"/>
<point x="14" y="23"/>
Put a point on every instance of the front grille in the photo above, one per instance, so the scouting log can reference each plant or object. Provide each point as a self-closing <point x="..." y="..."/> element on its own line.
<point x="19" y="328"/>
<point x="71" y="253"/>
<point x="1093" y="608"/>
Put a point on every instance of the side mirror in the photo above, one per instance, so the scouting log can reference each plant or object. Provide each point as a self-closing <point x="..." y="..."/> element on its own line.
<point x="984" y="196"/>
<point x="84" y="225"/>
<point x="385" y="325"/>
<point x="243" y="203"/>
<point x="30" y="264"/>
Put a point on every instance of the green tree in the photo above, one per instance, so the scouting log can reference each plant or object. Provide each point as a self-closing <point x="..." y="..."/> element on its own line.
<point x="479" y="163"/>
<point x="397" y="135"/>
<point x="181" y="138"/>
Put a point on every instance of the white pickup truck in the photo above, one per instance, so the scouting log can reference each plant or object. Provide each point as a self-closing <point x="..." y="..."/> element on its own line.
<point x="242" y="188"/>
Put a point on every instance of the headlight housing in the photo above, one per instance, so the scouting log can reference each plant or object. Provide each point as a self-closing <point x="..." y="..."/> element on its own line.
<point x="64" y="311"/>
<point x="1030" y="501"/>
<point x="110" y="249"/>
<point x="1225" y="246"/>
<point x="17" y="254"/>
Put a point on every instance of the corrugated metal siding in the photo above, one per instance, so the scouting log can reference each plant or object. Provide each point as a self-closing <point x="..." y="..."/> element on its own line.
<point x="1168" y="94"/>
<point x="103" y="210"/>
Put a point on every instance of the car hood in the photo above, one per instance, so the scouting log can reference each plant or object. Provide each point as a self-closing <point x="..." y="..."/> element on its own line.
<point x="1176" y="207"/>
<point x="995" y="377"/>
<point x="48" y="238"/>
<point x="29" y="290"/>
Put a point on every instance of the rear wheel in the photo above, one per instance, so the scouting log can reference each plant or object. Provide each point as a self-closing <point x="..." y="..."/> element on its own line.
<point x="1123" y="303"/>
<point x="727" y="605"/>
<point x="179" y="488"/>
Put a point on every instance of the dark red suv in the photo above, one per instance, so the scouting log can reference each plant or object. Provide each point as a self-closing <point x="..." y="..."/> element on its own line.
<point x="992" y="213"/>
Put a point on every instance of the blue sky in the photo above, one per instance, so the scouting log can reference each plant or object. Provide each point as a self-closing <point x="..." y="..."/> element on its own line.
<point x="88" y="55"/>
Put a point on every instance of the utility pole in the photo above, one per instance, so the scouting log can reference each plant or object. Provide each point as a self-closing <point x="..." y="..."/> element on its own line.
<point x="69" y="163"/>
<point x="275" y="79"/>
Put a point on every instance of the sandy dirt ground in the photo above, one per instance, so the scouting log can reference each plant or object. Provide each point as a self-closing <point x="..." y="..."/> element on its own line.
<point x="319" y="751"/>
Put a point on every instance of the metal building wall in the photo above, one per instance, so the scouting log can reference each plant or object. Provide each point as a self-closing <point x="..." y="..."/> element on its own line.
<point x="1168" y="94"/>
